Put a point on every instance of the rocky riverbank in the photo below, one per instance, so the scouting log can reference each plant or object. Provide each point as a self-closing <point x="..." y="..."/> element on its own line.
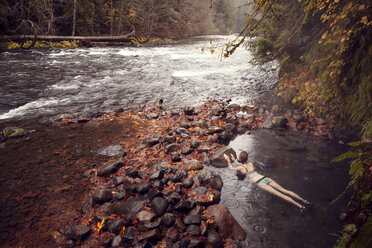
<point x="158" y="191"/>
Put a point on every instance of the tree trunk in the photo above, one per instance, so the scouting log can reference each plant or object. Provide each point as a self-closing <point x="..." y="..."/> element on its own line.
<point x="74" y="19"/>
<point x="112" y="18"/>
<point x="120" y="16"/>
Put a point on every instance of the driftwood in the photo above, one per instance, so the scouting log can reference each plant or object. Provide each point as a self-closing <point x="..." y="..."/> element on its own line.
<point x="122" y="38"/>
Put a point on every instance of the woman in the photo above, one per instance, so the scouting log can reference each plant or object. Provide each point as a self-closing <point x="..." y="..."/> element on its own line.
<point x="247" y="169"/>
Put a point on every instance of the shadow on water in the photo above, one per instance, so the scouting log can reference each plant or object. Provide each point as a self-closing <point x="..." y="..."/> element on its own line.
<point x="299" y="163"/>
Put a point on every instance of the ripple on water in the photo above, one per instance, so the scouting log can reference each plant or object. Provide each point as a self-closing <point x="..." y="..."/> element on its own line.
<point x="230" y="203"/>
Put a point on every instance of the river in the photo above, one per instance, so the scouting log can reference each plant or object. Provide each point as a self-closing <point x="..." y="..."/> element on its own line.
<point x="41" y="177"/>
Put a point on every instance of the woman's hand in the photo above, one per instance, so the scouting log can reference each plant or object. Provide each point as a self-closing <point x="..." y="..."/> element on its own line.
<point x="227" y="158"/>
<point x="233" y="158"/>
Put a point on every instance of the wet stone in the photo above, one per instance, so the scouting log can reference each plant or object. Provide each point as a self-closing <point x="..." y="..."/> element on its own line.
<point x="109" y="168"/>
<point x="102" y="196"/>
<point x="225" y="137"/>
<point x="184" y="124"/>
<point x="168" y="219"/>
<point x="211" y="179"/>
<point x="181" y="130"/>
<point x="116" y="242"/>
<point x="143" y="187"/>
<point x="117" y="225"/>
<point x="203" y="149"/>
<point x="120" y="195"/>
<point x="173" y="234"/>
<point x="212" y="139"/>
<point x="145" y="216"/>
<point x="117" y="181"/>
<point x="127" y="208"/>
<point x="79" y="232"/>
<point x="193" y="165"/>
<point x="215" y="129"/>
<point x="192" y="219"/>
<point x="132" y="173"/>
<point x="187" y="182"/>
<point x="196" y="243"/>
<point x="176" y="157"/>
<point x="171" y="147"/>
<point x="193" y="230"/>
<point x="218" y="159"/>
<point x="214" y="239"/>
<point x="187" y="151"/>
<point x="182" y="205"/>
<point x="169" y="139"/>
<point x="159" y="205"/>
<point x="153" y="116"/>
<point x="153" y="235"/>
<point x="158" y="175"/>
<point x="267" y="124"/>
<point x="152" y="141"/>
<point x="279" y="121"/>
<point x="194" y="144"/>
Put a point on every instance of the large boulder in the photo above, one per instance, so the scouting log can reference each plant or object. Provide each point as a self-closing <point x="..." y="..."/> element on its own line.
<point x="280" y="121"/>
<point x="102" y="196"/>
<point x="193" y="165"/>
<point x="211" y="179"/>
<point x="228" y="227"/>
<point x="79" y="232"/>
<point x="218" y="160"/>
<point x="110" y="167"/>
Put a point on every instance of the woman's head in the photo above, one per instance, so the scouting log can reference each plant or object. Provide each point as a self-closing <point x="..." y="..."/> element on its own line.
<point x="243" y="157"/>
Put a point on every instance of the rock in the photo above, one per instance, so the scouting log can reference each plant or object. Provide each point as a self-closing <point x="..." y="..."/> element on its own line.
<point x="184" y="124"/>
<point x="110" y="151"/>
<point x="117" y="181"/>
<point x="212" y="139"/>
<point x="152" y="141"/>
<point x="127" y="208"/>
<point x="196" y="243"/>
<point x="159" y="205"/>
<point x="145" y="215"/>
<point x="182" y="244"/>
<point x="187" y="182"/>
<point x="176" y="157"/>
<point x="133" y="173"/>
<point x="188" y="110"/>
<point x="181" y="130"/>
<point x="13" y="132"/>
<point x="234" y="106"/>
<point x="267" y="124"/>
<point x="214" y="239"/>
<point x="203" y="196"/>
<point x="151" y="225"/>
<point x="194" y="219"/>
<point x="215" y="129"/>
<point x="116" y="226"/>
<point x="109" y="168"/>
<point x="120" y="195"/>
<point x="241" y="130"/>
<point x="168" y="219"/>
<point x="163" y="166"/>
<point x="157" y="175"/>
<point x="105" y="208"/>
<point x="116" y="242"/>
<point x="182" y="205"/>
<point x="193" y="230"/>
<point x="186" y="151"/>
<point x="143" y="187"/>
<point x="153" y="116"/>
<point x="193" y="165"/>
<point x="203" y="149"/>
<point x="211" y="179"/>
<point x="151" y="236"/>
<point x="230" y="127"/>
<point x="299" y="117"/>
<point x="173" y="234"/>
<point x="280" y="121"/>
<point x="228" y="227"/>
<point x="194" y="144"/>
<point x="79" y="232"/>
<point x="171" y="147"/>
<point x="169" y="139"/>
<point x="218" y="160"/>
<point x="225" y="137"/>
<point x="102" y="196"/>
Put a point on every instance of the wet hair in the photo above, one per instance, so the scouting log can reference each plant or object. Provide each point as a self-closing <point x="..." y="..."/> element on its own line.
<point x="243" y="157"/>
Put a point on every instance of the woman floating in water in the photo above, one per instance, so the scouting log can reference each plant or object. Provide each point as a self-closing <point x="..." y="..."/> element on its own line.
<point x="246" y="168"/>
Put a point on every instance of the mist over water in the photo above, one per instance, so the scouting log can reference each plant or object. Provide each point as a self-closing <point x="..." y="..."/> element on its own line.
<point x="46" y="84"/>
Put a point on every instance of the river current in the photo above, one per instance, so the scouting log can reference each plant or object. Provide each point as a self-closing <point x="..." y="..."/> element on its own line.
<point x="46" y="84"/>
<point x="42" y="179"/>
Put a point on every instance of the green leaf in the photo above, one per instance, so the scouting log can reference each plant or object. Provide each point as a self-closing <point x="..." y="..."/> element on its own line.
<point x="364" y="238"/>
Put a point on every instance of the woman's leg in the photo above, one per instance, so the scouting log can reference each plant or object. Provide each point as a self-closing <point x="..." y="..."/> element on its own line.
<point x="275" y="185"/>
<point x="271" y="190"/>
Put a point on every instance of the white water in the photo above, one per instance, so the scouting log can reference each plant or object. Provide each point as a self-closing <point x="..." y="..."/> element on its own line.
<point x="47" y="84"/>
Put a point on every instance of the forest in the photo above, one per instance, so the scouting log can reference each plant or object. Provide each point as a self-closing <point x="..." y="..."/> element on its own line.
<point x="324" y="49"/>
<point x="149" y="18"/>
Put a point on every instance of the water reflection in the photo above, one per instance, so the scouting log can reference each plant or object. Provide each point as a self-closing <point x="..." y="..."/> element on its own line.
<point x="299" y="163"/>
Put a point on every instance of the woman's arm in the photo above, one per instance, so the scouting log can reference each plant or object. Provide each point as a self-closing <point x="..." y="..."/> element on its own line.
<point x="228" y="161"/>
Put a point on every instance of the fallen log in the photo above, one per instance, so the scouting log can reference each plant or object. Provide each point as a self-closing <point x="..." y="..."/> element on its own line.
<point x="122" y="38"/>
